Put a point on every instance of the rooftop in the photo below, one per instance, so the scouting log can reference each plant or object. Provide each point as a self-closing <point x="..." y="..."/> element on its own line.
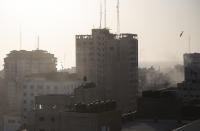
<point x="194" y="126"/>
<point x="106" y="32"/>
<point x="25" y="53"/>
<point x="55" y="76"/>
<point x="150" y="125"/>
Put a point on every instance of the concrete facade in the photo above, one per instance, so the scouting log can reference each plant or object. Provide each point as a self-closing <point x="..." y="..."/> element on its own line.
<point x="21" y="63"/>
<point x="44" y="84"/>
<point x="159" y="104"/>
<point x="18" y="64"/>
<point x="189" y="89"/>
<point x="111" y="62"/>
<point x="52" y="113"/>
<point x="11" y="122"/>
<point x="192" y="67"/>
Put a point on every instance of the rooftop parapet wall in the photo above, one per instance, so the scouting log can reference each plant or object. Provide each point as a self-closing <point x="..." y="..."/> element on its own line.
<point x="35" y="54"/>
<point x="129" y="36"/>
<point x="84" y="37"/>
<point x="114" y="36"/>
<point x="106" y="33"/>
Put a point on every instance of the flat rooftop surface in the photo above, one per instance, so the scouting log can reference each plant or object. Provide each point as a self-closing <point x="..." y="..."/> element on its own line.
<point x="150" y="125"/>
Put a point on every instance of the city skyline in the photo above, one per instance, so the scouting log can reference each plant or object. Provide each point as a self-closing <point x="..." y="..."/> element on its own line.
<point x="157" y="23"/>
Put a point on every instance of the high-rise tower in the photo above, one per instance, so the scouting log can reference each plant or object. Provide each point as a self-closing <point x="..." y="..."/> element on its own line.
<point x="110" y="61"/>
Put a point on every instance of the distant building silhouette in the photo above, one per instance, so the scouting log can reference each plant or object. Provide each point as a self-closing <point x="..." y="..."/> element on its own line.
<point x="18" y="64"/>
<point x="159" y="104"/>
<point x="111" y="62"/>
<point x="189" y="89"/>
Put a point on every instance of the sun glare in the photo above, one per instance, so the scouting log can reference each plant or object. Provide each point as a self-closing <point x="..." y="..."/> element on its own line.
<point x="32" y="11"/>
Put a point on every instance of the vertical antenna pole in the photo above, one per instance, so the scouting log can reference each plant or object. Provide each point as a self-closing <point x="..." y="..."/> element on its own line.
<point x="20" y="38"/>
<point x="118" y="19"/>
<point x="64" y="64"/>
<point x="100" y="13"/>
<point x="38" y="42"/>
<point x="105" y="13"/>
<point x="189" y="43"/>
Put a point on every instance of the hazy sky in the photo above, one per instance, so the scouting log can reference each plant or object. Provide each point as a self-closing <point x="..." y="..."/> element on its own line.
<point x="158" y="24"/>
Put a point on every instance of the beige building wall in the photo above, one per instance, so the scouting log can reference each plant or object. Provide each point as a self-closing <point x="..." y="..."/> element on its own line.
<point x="17" y="65"/>
<point x="111" y="62"/>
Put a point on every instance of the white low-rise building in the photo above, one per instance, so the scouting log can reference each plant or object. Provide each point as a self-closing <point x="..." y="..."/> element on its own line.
<point x="36" y="85"/>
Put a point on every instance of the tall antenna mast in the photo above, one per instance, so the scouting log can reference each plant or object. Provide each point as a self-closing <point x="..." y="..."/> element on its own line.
<point x="38" y="42"/>
<point x="105" y="13"/>
<point x="20" y="38"/>
<point x="64" y="61"/>
<point x="189" y="43"/>
<point x="118" y="19"/>
<point x="100" y="13"/>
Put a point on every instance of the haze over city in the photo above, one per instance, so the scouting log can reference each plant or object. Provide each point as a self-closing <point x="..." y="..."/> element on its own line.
<point x="158" y="24"/>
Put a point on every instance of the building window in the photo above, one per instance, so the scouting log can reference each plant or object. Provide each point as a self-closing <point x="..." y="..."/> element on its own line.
<point x="32" y="87"/>
<point x="52" y="119"/>
<point x="11" y="121"/>
<point x="48" y="87"/>
<point x="24" y="94"/>
<point x="111" y="48"/>
<point x="32" y="102"/>
<point x="24" y="86"/>
<point x="41" y="119"/>
<point x="39" y="87"/>
<point x="24" y="101"/>
<point x="32" y="94"/>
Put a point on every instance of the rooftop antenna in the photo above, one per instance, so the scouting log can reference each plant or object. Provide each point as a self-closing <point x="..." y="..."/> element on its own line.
<point x="189" y="43"/>
<point x="118" y="19"/>
<point x="105" y="13"/>
<point x="38" y="42"/>
<point x="100" y="13"/>
<point x="20" y="38"/>
<point x="64" y="61"/>
<point x="61" y="66"/>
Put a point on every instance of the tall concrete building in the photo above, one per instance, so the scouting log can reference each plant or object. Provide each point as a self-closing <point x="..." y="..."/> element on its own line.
<point x="189" y="89"/>
<point x="17" y="65"/>
<point x="21" y="63"/>
<point x="192" y="67"/>
<point x="111" y="62"/>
